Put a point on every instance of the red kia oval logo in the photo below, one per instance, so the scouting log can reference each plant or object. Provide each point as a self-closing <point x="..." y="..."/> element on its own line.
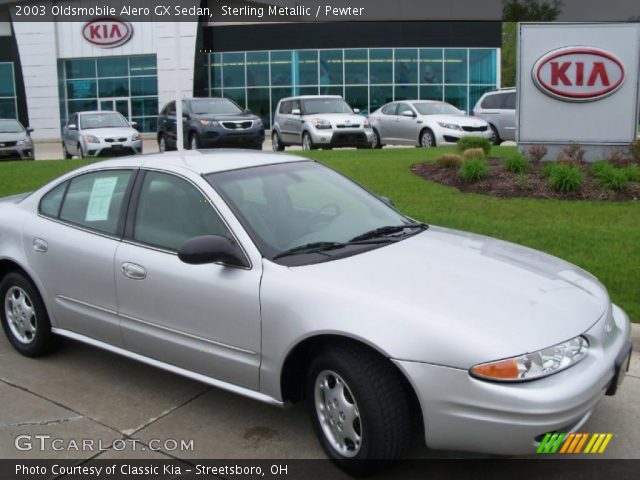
<point x="107" y="32"/>
<point x="578" y="74"/>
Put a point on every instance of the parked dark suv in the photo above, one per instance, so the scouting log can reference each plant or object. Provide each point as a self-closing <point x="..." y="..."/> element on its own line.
<point x="208" y="123"/>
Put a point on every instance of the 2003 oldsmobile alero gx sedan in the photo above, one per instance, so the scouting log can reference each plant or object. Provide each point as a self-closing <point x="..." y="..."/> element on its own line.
<point x="277" y="278"/>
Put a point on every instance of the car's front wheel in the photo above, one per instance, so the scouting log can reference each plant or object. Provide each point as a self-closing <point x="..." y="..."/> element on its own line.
<point x="307" y="142"/>
<point x="376" y="142"/>
<point x="358" y="407"/>
<point x="194" y="141"/>
<point x="24" y="317"/>
<point x="427" y="139"/>
<point x="276" y="143"/>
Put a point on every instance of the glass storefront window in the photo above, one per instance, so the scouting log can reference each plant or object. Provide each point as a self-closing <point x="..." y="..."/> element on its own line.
<point x="113" y="87"/>
<point x="258" y="102"/>
<point x="406" y="92"/>
<point x="144" y="106"/>
<point x="143" y="65"/>
<point x="281" y="68"/>
<point x="113" y="67"/>
<point x="238" y="95"/>
<point x="430" y="65"/>
<point x="308" y="91"/>
<point x="357" y="97"/>
<point x="331" y="91"/>
<point x="216" y="70"/>
<point x="475" y="92"/>
<point x="456" y="96"/>
<point x="7" y="80"/>
<point x="482" y="66"/>
<point x="406" y="66"/>
<point x="380" y="95"/>
<point x="144" y="86"/>
<point x="455" y="65"/>
<point x="307" y="67"/>
<point x="381" y="65"/>
<point x="81" y="88"/>
<point x="430" y="92"/>
<point x="257" y="69"/>
<point x="8" y="108"/>
<point x="356" y="67"/>
<point x="74" y="106"/>
<point x="331" y="65"/>
<point x="233" y="69"/>
<point x="82" y="68"/>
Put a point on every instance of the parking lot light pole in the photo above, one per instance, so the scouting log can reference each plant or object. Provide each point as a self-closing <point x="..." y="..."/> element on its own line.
<point x="178" y="95"/>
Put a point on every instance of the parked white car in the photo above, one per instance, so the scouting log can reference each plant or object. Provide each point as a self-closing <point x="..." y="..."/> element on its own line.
<point x="425" y="123"/>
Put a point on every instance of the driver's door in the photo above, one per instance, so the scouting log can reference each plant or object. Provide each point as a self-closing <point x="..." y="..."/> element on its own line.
<point x="404" y="129"/>
<point x="204" y="318"/>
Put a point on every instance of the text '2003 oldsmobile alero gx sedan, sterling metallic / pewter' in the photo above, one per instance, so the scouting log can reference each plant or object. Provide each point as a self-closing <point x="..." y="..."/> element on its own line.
<point x="316" y="290"/>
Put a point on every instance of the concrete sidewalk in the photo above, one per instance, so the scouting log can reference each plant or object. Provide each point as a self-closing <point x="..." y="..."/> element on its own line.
<point x="81" y="392"/>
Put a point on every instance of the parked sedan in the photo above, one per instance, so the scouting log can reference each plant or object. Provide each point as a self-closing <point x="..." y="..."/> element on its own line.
<point x="275" y="277"/>
<point x="15" y="141"/>
<point x="425" y="123"/>
<point x="100" y="134"/>
<point x="209" y="123"/>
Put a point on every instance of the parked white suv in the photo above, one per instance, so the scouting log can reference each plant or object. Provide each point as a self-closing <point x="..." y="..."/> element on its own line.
<point x="319" y="121"/>
<point x="499" y="110"/>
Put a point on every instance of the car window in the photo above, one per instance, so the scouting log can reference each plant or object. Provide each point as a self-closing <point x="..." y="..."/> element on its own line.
<point x="509" y="102"/>
<point x="95" y="200"/>
<point x="390" y="109"/>
<point x="52" y="201"/>
<point x="73" y="120"/>
<point x="171" y="110"/>
<point x="102" y="120"/>
<point x="171" y="211"/>
<point x="285" y="107"/>
<point x="402" y="107"/>
<point x="492" y="101"/>
<point x="295" y="105"/>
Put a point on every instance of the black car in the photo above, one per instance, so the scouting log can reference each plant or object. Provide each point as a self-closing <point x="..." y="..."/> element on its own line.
<point x="15" y="141"/>
<point x="209" y="123"/>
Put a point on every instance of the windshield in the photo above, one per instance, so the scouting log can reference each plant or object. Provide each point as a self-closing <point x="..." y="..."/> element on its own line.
<point x="102" y="120"/>
<point x="214" y="105"/>
<point x="436" y="108"/>
<point x="313" y="106"/>
<point x="10" y="126"/>
<point x="292" y="204"/>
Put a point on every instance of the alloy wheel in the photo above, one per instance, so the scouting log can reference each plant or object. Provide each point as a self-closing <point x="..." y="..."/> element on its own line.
<point x="306" y="142"/>
<point x="20" y="314"/>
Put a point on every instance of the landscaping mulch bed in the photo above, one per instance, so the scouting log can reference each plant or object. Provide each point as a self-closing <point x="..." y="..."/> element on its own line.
<point x="532" y="184"/>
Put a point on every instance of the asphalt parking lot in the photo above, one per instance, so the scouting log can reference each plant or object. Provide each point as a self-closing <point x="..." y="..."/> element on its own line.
<point x="81" y="392"/>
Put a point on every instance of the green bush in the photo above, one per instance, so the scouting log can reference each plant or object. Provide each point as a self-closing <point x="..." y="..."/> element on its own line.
<point x="547" y="168"/>
<point x="565" y="178"/>
<point x="465" y="143"/>
<point x="600" y="168"/>
<point x="474" y="170"/>
<point x="473" y="153"/>
<point x="613" y="179"/>
<point x="633" y="172"/>
<point x="515" y="163"/>
<point x="449" y="161"/>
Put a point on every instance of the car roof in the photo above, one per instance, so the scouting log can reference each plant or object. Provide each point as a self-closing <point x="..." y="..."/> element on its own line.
<point x="201" y="162"/>
<point x="97" y="111"/>
<point x="302" y="97"/>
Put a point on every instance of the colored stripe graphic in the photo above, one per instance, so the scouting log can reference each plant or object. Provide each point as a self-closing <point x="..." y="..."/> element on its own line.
<point x="551" y="442"/>
<point x="572" y="443"/>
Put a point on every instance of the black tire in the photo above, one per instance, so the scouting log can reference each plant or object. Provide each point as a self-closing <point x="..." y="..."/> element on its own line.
<point x="276" y="142"/>
<point x="307" y="142"/>
<point x="67" y="155"/>
<point x="495" y="136"/>
<point x="80" y="151"/>
<point x="384" y="418"/>
<point x="427" y="139"/>
<point x="162" y="143"/>
<point x="194" y="141"/>
<point x="377" y="143"/>
<point x="43" y="341"/>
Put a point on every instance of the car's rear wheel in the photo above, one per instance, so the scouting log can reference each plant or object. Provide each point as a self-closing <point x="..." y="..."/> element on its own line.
<point x="307" y="143"/>
<point x="65" y="153"/>
<point x="427" y="138"/>
<point x="24" y="317"/>
<point x="276" y="143"/>
<point x="357" y="407"/>
<point x="376" y="142"/>
<point x="495" y="136"/>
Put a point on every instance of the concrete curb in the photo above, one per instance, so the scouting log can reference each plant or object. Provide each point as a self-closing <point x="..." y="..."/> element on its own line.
<point x="635" y="337"/>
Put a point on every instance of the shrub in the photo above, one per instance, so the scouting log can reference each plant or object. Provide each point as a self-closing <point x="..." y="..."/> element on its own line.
<point x="449" y="161"/>
<point x="465" y="143"/>
<point x="565" y="178"/>
<point x="537" y="153"/>
<point x="572" y="155"/>
<point x="547" y="168"/>
<point x="473" y="153"/>
<point x="633" y="172"/>
<point x="613" y="179"/>
<point x="516" y="163"/>
<point x="600" y="168"/>
<point x="474" y="170"/>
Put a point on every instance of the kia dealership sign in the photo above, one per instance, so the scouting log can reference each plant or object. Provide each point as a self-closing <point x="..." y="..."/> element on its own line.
<point x="577" y="82"/>
<point x="578" y="74"/>
<point x="107" y="32"/>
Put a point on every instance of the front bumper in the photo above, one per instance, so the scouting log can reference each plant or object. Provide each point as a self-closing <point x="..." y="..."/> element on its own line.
<point x="113" y="149"/>
<point x="17" y="152"/>
<point x="446" y="136"/>
<point x="466" y="414"/>
<point x="220" y="137"/>
<point x="343" y="137"/>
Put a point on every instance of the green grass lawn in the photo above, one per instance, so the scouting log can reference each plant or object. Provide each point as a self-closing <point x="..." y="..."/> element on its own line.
<point x="601" y="237"/>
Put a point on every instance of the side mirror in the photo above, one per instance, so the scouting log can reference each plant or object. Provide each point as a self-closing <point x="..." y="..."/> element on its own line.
<point x="29" y="130"/>
<point x="295" y="111"/>
<point x="387" y="200"/>
<point x="133" y="124"/>
<point x="72" y="126"/>
<point x="356" y="110"/>
<point x="212" y="249"/>
<point x="408" y="113"/>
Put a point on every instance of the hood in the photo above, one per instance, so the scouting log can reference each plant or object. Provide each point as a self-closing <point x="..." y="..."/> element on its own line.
<point x="221" y="117"/>
<point x="462" y="120"/>
<point x="12" y="137"/>
<point x="339" y="118"/>
<point x="15" y="198"/>
<point x="115" y="132"/>
<point x="448" y="291"/>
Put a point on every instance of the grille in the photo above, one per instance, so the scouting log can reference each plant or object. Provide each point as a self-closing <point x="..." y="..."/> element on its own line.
<point x="355" y="125"/>
<point x="475" y="129"/>
<point x="348" y="138"/>
<point x="237" y="125"/>
<point x="7" y="144"/>
<point x="111" y="140"/>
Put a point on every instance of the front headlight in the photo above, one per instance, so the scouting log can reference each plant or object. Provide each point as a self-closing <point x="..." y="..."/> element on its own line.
<point x="209" y="123"/>
<point x="321" y="123"/>
<point x="450" y="126"/>
<point x="257" y="123"/>
<point x="24" y="141"/>
<point x="366" y="123"/>
<point x="534" y="365"/>
<point x="91" y="139"/>
<point x="135" y="137"/>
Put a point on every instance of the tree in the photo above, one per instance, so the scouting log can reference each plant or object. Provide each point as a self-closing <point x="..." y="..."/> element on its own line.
<point x="521" y="11"/>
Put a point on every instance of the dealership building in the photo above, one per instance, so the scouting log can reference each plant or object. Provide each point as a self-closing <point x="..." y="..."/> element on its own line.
<point x="49" y="70"/>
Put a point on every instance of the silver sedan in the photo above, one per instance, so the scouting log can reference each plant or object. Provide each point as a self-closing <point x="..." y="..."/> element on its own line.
<point x="424" y="123"/>
<point x="277" y="278"/>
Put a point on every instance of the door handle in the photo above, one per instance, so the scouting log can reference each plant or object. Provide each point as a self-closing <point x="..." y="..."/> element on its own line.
<point x="133" y="271"/>
<point x="40" y="245"/>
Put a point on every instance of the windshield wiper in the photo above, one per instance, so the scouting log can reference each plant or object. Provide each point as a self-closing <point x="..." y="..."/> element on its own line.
<point x="316" y="247"/>
<point x="388" y="230"/>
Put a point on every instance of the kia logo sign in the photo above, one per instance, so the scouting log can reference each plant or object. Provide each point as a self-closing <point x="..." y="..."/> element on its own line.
<point x="578" y="74"/>
<point x="107" y="32"/>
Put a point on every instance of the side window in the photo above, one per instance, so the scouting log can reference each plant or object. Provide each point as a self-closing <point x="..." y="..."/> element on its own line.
<point x="296" y="105"/>
<point x="95" y="200"/>
<point x="509" y="102"/>
<point x="73" y="120"/>
<point x="285" y="107"/>
<point x="403" y="107"/>
<point x="171" y="211"/>
<point x="492" y="101"/>
<point x="52" y="201"/>
<point x="171" y="110"/>
<point x="390" y="109"/>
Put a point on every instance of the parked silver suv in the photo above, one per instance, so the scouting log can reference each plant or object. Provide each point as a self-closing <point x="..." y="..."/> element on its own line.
<point x="499" y="110"/>
<point x="319" y="121"/>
